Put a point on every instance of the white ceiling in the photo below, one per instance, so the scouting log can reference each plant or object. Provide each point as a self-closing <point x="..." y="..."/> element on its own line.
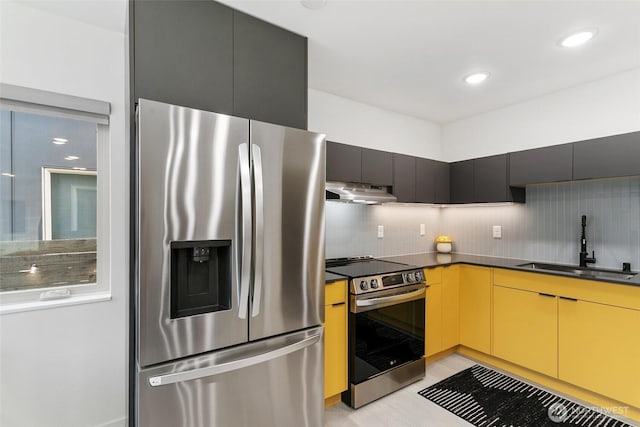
<point x="411" y="56"/>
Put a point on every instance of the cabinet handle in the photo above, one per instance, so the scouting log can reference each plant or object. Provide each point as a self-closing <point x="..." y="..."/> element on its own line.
<point x="546" y="295"/>
<point x="337" y="304"/>
<point x="569" y="299"/>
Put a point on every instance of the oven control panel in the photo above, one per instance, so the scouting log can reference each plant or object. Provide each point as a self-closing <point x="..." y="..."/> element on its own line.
<point x="361" y="285"/>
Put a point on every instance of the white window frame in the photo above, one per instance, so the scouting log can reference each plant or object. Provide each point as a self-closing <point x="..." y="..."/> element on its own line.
<point x="20" y="99"/>
<point x="47" y="171"/>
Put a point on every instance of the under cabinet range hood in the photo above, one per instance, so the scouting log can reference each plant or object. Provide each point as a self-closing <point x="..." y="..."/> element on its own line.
<point x="358" y="193"/>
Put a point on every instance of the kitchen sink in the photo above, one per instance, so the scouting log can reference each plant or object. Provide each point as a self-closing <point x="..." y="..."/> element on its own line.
<point x="595" y="273"/>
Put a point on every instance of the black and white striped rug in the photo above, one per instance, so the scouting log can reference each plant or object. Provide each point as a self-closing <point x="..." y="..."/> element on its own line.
<point x="484" y="397"/>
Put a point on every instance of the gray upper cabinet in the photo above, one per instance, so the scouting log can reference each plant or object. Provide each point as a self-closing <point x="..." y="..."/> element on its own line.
<point x="432" y="181"/>
<point x="461" y="182"/>
<point x="183" y="53"/>
<point x="426" y="176"/>
<point x="490" y="179"/>
<point x="611" y="156"/>
<point x="483" y="180"/>
<point x="270" y="72"/>
<point x="540" y="165"/>
<point x="442" y="187"/>
<point x="377" y="167"/>
<point x="404" y="178"/>
<point x="344" y="162"/>
<point x="205" y="55"/>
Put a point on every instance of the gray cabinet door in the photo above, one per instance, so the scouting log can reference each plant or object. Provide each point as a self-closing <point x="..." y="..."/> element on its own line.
<point x="183" y="54"/>
<point x="461" y="182"/>
<point x="377" y="167"/>
<point x="490" y="179"/>
<point x="611" y="156"/>
<point x="270" y="72"/>
<point x="426" y="176"/>
<point x="344" y="162"/>
<point x="540" y="165"/>
<point x="442" y="188"/>
<point x="404" y="178"/>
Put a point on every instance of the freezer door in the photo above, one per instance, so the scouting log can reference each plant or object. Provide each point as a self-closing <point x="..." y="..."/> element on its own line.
<point x="270" y="383"/>
<point x="289" y="180"/>
<point x="193" y="186"/>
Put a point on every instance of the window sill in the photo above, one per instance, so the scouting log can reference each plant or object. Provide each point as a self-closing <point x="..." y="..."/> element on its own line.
<point x="41" y="305"/>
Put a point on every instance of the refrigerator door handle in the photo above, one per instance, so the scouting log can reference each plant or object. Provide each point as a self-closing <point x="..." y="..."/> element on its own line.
<point x="245" y="256"/>
<point x="259" y="221"/>
<point x="233" y="365"/>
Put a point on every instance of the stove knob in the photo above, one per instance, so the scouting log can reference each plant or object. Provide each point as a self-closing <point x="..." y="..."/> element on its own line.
<point x="364" y="285"/>
<point x="374" y="283"/>
<point x="410" y="278"/>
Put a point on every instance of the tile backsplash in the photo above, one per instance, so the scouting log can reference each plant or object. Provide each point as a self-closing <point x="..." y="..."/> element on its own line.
<point x="545" y="228"/>
<point x="352" y="229"/>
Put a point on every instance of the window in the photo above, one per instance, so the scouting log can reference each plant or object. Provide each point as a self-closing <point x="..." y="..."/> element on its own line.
<point x="52" y="233"/>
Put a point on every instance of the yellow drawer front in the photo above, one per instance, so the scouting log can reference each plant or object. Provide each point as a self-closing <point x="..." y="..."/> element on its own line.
<point x="525" y="329"/>
<point x="335" y="349"/>
<point x="599" y="349"/>
<point x="433" y="339"/>
<point x="475" y="308"/>
<point x="335" y="292"/>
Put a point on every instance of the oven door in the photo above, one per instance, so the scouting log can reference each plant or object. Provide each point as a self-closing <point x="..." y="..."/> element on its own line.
<point x="387" y="330"/>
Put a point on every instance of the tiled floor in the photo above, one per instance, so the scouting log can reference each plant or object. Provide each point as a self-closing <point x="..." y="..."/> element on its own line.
<point x="404" y="408"/>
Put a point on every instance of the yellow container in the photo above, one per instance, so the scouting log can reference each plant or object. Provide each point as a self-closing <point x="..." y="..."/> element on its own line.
<point x="443" y="244"/>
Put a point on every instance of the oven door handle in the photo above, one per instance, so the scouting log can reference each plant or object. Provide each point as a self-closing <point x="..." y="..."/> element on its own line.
<point x="392" y="299"/>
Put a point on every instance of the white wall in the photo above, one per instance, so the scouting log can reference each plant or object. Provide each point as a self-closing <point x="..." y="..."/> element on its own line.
<point x="354" y="123"/>
<point x="68" y="366"/>
<point x="604" y="107"/>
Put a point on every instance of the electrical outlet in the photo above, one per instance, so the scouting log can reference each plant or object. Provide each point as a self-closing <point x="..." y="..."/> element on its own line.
<point x="380" y="231"/>
<point x="422" y="229"/>
<point x="497" y="232"/>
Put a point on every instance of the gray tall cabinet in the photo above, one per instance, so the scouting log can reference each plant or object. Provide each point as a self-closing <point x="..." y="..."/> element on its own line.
<point x="205" y="55"/>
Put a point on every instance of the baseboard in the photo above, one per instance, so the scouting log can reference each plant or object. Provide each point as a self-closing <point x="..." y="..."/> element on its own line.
<point x="441" y="355"/>
<point x="332" y="400"/>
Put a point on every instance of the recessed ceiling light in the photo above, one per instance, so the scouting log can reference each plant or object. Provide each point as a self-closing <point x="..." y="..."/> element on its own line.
<point x="314" y="4"/>
<point x="71" y="158"/>
<point x="577" y="39"/>
<point x="476" y="78"/>
<point x="60" y="141"/>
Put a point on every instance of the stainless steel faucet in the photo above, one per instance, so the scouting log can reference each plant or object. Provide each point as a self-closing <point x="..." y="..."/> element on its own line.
<point x="584" y="255"/>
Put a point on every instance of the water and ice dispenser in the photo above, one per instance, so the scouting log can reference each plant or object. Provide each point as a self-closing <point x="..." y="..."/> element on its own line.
<point x="200" y="277"/>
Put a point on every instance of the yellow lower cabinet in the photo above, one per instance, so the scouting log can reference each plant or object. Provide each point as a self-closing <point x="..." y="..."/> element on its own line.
<point x="450" y="307"/>
<point x="475" y="308"/>
<point x="525" y="329"/>
<point x="335" y="339"/>
<point x="433" y="339"/>
<point x="599" y="348"/>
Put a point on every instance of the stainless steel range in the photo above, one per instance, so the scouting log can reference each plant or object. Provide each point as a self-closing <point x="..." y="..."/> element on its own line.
<point x="386" y="326"/>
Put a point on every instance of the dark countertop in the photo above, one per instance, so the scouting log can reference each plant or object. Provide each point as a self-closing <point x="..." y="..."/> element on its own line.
<point x="332" y="277"/>
<point x="434" y="259"/>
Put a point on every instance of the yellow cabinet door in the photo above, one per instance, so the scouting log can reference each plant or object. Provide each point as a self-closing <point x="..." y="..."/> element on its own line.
<point x="525" y="329"/>
<point x="599" y="348"/>
<point x="335" y="349"/>
<point x="450" y="307"/>
<point x="475" y="308"/>
<point x="433" y="338"/>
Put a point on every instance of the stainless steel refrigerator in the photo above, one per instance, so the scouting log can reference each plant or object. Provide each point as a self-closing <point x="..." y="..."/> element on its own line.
<point x="229" y="271"/>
